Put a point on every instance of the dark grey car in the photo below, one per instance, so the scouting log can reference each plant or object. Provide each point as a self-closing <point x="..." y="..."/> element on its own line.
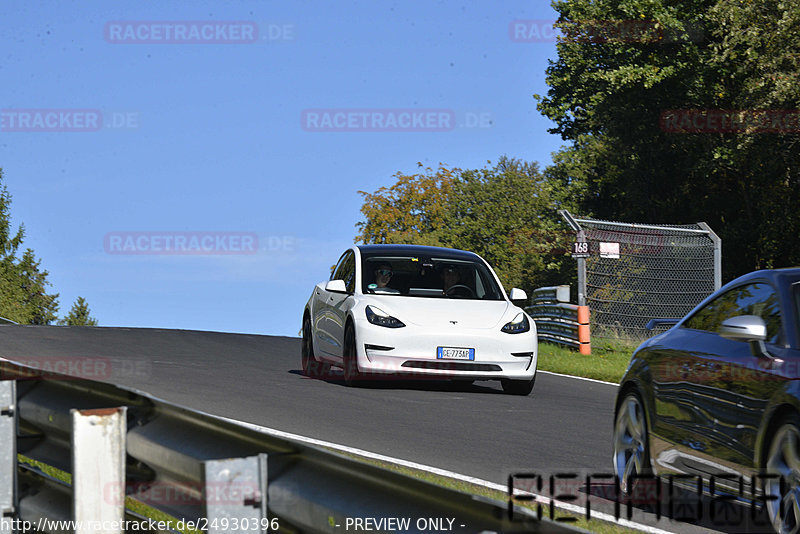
<point x="718" y="395"/>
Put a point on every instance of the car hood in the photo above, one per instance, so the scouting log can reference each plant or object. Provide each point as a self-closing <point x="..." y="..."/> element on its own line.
<point x="441" y="312"/>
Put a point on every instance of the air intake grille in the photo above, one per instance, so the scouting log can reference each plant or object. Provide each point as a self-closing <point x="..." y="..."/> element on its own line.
<point x="453" y="366"/>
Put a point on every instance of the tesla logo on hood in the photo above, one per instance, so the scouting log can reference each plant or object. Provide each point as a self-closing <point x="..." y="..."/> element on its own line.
<point x="453" y="322"/>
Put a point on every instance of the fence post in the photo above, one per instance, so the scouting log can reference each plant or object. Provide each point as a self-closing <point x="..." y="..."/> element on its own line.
<point x="717" y="254"/>
<point x="581" y="237"/>
<point x="584" y="335"/>
<point x="8" y="454"/>
<point x="236" y="489"/>
<point x="98" y="468"/>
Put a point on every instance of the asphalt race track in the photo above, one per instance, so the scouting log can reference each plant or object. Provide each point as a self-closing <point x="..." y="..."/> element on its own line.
<point x="477" y="430"/>
<point x="564" y="426"/>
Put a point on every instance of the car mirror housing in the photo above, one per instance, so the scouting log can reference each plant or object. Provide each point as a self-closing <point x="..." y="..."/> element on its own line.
<point x="336" y="286"/>
<point x="744" y="328"/>
<point x="517" y="294"/>
<point x="751" y="329"/>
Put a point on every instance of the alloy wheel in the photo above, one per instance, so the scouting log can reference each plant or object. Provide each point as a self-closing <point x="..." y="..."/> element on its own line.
<point x="630" y="442"/>
<point x="784" y="460"/>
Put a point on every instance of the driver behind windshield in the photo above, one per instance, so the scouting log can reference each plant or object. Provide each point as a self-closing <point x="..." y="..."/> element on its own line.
<point x="450" y="277"/>
<point x="383" y="275"/>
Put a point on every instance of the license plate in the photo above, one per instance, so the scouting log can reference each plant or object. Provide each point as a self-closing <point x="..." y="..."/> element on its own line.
<point x="454" y="353"/>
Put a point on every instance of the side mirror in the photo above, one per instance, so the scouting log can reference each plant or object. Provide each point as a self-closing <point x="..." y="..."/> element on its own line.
<point x="750" y="329"/>
<point x="516" y="295"/>
<point x="744" y="328"/>
<point x="336" y="286"/>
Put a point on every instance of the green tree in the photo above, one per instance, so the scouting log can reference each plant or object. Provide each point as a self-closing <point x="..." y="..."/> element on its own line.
<point x="40" y="307"/>
<point x="413" y="210"/>
<point x="609" y="96"/>
<point x="23" y="294"/>
<point x="506" y="213"/>
<point x="79" y="315"/>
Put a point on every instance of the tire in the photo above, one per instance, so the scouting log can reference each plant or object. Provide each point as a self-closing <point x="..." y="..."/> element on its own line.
<point x="352" y="376"/>
<point x="518" y="387"/>
<point x="783" y="458"/>
<point x="631" y="443"/>
<point x="311" y="367"/>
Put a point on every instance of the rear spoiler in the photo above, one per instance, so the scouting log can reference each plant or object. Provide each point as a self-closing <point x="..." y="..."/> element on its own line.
<point x="655" y="323"/>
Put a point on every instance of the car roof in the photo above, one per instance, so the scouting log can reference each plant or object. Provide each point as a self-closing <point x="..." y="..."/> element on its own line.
<point x="417" y="250"/>
<point x="776" y="276"/>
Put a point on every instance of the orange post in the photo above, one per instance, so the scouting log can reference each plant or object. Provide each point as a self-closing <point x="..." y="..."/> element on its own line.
<point x="584" y="336"/>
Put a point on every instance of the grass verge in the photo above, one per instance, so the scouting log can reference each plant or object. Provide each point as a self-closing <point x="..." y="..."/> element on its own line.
<point x="605" y="363"/>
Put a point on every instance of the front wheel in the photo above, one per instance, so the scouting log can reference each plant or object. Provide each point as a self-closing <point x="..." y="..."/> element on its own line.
<point x="518" y="387"/>
<point x="631" y="448"/>
<point x="783" y="459"/>
<point x="350" y="360"/>
<point x="311" y="367"/>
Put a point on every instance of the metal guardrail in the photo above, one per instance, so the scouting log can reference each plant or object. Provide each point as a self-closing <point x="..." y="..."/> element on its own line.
<point x="92" y="451"/>
<point x="557" y="321"/>
<point x="550" y="294"/>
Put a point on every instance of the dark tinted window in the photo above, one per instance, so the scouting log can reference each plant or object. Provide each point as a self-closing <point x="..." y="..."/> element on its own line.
<point x="349" y="272"/>
<point x="752" y="299"/>
<point x="346" y="270"/>
<point x="337" y="270"/>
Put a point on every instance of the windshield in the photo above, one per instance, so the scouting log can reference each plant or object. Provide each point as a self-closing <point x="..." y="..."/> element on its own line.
<point x="433" y="277"/>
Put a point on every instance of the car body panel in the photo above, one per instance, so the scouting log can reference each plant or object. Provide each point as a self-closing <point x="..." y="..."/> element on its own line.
<point x="709" y="401"/>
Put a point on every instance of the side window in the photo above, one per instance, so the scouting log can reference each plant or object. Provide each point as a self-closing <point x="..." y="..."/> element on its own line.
<point x="348" y="273"/>
<point x="752" y="299"/>
<point x="710" y="316"/>
<point x="336" y="273"/>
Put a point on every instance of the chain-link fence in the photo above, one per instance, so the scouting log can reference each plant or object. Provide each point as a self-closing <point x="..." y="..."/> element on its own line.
<point x="637" y="272"/>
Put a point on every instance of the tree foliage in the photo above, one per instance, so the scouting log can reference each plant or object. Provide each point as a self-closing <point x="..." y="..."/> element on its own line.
<point x="506" y="213"/>
<point x="23" y="283"/>
<point x="608" y="98"/>
<point x="79" y="315"/>
<point x="413" y="210"/>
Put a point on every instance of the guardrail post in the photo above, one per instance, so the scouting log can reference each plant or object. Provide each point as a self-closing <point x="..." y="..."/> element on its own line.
<point x="236" y="489"/>
<point x="584" y="335"/>
<point x="98" y="469"/>
<point x="8" y="454"/>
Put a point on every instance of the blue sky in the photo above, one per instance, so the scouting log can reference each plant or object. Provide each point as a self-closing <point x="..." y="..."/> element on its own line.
<point x="207" y="138"/>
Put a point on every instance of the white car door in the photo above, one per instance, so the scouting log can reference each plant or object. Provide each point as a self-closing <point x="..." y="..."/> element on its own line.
<point x="338" y="303"/>
<point x="329" y="309"/>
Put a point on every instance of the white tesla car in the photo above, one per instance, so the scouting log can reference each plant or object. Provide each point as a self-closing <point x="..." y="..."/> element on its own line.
<point x="424" y="311"/>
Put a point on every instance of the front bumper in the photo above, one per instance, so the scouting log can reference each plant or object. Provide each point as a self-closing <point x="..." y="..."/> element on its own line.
<point x="412" y="350"/>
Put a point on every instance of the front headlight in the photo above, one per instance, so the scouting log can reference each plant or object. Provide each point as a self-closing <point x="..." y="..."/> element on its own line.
<point x="379" y="317"/>
<point x="518" y="325"/>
